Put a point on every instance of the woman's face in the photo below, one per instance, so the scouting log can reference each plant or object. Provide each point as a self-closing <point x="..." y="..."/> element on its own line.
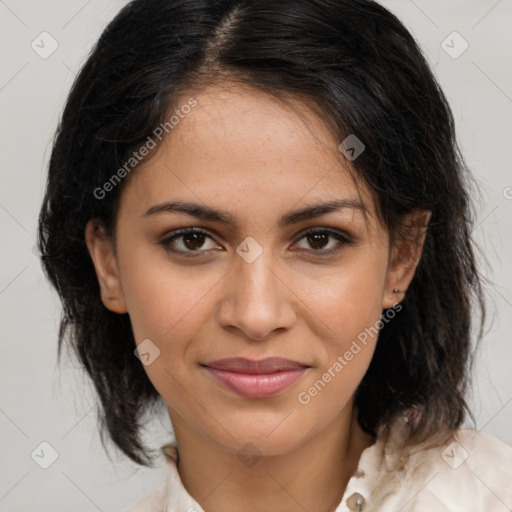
<point x="255" y="287"/>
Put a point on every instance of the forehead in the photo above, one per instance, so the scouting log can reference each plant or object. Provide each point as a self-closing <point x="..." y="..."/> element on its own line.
<point x="240" y="123"/>
<point x="238" y="141"/>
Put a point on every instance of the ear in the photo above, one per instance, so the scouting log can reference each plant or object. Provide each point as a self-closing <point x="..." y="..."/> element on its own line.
<point x="101" y="250"/>
<point x="405" y="252"/>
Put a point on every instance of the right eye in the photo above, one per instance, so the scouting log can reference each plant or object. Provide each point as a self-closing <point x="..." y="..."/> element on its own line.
<point x="187" y="241"/>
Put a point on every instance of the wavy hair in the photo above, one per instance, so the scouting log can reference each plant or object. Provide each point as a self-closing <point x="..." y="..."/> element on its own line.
<point x="357" y="67"/>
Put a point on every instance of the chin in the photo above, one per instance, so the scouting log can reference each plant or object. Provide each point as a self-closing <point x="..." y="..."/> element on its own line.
<point x="261" y="437"/>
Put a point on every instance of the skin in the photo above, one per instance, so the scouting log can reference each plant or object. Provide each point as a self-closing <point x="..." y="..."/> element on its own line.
<point x="242" y="151"/>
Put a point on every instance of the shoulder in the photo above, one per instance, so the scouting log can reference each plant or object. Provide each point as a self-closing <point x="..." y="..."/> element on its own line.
<point x="473" y="470"/>
<point x="479" y="449"/>
<point x="469" y="470"/>
<point x="473" y="454"/>
<point x="152" y="503"/>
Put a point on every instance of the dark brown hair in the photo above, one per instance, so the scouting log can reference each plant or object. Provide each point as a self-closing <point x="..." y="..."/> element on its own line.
<point x="357" y="66"/>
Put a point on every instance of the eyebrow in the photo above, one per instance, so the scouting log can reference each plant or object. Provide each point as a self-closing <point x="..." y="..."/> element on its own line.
<point x="207" y="213"/>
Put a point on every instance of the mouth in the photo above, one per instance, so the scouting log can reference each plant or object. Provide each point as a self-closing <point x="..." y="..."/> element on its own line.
<point x="256" y="378"/>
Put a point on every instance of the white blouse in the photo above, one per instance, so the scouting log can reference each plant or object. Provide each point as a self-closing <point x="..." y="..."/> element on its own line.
<point x="469" y="472"/>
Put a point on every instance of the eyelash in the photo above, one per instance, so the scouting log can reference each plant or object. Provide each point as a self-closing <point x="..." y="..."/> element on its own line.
<point x="342" y="238"/>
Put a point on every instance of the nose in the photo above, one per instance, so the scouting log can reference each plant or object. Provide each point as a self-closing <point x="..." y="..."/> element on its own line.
<point x="257" y="300"/>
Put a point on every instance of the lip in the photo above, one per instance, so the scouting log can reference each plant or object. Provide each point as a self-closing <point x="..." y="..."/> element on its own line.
<point x="256" y="378"/>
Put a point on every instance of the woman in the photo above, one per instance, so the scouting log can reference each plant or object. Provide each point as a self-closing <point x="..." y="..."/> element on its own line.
<point x="258" y="218"/>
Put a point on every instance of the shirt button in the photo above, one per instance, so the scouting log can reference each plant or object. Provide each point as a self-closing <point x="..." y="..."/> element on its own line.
<point x="356" y="502"/>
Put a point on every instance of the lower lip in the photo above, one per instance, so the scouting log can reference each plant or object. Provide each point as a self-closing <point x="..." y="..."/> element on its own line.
<point x="256" y="385"/>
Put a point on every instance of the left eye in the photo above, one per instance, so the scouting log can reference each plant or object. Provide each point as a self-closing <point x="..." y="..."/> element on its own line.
<point x="191" y="240"/>
<point x="318" y="240"/>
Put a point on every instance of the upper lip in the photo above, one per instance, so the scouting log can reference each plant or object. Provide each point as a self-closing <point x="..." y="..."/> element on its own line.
<point x="249" y="366"/>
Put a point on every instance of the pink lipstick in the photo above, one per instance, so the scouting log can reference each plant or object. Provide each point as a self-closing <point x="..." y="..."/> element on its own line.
<point x="256" y="379"/>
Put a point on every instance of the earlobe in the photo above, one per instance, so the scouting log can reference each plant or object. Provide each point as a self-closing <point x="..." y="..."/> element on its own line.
<point x="101" y="250"/>
<point x="405" y="255"/>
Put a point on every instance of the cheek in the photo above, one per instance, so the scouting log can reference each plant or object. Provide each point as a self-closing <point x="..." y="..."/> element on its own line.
<point x="162" y="297"/>
<point x="169" y="306"/>
<point x="349" y="299"/>
<point x="352" y="310"/>
<point x="350" y="303"/>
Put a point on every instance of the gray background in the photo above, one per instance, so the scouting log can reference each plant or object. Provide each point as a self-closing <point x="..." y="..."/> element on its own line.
<point x="42" y="402"/>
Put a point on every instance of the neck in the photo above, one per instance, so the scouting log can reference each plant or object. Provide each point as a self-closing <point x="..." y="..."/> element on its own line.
<point x="313" y="476"/>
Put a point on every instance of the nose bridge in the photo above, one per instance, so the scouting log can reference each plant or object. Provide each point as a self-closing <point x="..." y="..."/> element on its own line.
<point x="256" y="280"/>
<point x="256" y="301"/>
